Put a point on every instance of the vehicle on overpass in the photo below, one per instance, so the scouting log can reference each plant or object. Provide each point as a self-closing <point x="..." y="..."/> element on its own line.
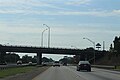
<point x="30" y="63"/>
<point x="19" y="62"/>
<point x="3" y="63"/>
<point x="65" y="64"/>
<point x="56" y="63"/>
<point x="84" y="65"/>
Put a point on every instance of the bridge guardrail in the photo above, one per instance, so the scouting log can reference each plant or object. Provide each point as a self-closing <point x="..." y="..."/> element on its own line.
<point x="38" y="47"/>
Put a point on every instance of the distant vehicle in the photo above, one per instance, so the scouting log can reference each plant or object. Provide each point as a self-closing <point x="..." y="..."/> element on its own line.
<point x="19" y="62"/>
<point x="84" y="65"/>
<point x="56" y="63"/>
<point x="44" y="64"/>
<point x="30" y="63"/>
<point x="64" y="64"/>
<point x="3" y="63"/>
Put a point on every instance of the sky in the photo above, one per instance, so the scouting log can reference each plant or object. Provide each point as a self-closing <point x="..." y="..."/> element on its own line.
<point x="21" y="23"/>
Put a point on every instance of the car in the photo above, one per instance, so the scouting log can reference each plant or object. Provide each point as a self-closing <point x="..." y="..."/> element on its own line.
<point x="56" y="63"/>
<point x="44" y="63"/>
<point x="30" y="63"/>
<point x="64" y="64"/>
<point x="3" y="63"/>
<point x="19" y="62"/>
<point x="84" y="65"/>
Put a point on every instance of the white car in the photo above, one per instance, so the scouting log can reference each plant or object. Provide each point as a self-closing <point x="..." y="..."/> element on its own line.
<point x="19" y="62"/>
<point x="30" y="63"/>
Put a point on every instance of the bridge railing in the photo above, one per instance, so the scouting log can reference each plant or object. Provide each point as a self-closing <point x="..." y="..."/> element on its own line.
<point x="40" y="47"/>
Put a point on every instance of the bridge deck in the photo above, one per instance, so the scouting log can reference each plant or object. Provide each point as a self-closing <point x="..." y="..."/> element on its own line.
<point x="30" y="49"/>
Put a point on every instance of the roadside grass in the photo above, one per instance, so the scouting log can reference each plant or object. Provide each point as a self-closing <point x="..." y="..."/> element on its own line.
<point x="117" y="68"/>
<point x="13" y="71"/>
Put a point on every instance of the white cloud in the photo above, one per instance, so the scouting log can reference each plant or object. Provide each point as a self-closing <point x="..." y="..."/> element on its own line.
<point x="10" y="2"/>
<point x="11" y="11"/>
<point x="59" y="30"/>
<point x="116" y="12"/>
<point x="28" y="4"/>
<point x="20" y="29"/>
<point x="62" y="12"/>
<point x="78" y="13"/>
<point x="26" y="7"/>
<point x="78" y="2"/>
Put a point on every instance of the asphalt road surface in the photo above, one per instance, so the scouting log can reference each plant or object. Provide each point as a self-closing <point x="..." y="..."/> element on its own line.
<point x="70" y="73"/>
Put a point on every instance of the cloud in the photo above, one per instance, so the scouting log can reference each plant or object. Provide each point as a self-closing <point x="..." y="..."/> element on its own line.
<point x="26" y="7"/>
<point x="78" y="2"/>
<point x="116" y="12"/>
<point x="20" y="29"/>
<point x="103" y="13"/>
<point x="59" y="30"/>
<point x="10" y="2"/>
<point x="28" y="4"/>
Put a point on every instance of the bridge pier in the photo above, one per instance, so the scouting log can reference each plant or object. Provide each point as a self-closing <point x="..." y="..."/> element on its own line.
<point x="2" y="56"/>
<point x="39" y="58"/>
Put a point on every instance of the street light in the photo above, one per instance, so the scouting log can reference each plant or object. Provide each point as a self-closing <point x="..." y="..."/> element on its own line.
<point x="93" y="46"/>
<point x="48" y="35"/>
<point x="42" y="38"/>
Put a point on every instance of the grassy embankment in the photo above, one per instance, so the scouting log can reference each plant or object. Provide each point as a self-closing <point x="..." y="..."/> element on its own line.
<point x="117" y="68"/>
<point x="13" y="71"/>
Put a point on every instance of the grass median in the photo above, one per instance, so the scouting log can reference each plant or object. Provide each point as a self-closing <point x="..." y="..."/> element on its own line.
<point x="117" y="68"/>
<point x="13" y="71"/>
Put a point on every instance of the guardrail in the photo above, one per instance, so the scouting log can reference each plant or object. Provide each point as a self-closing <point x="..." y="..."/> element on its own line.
<point x="3" y="67"/>
<point x="38" y="47"/>
<point x="104" y="66"/>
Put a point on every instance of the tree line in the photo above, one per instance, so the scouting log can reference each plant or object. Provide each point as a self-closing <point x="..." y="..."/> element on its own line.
<point x="12" y="57"/>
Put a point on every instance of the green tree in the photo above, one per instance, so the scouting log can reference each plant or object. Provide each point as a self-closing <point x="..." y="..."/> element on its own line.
<point x="11" y="57"/>
<point x="45" y="59"/>
<point x="26" y="59"/>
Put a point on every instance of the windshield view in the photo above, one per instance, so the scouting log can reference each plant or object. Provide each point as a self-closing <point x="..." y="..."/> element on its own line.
<point x="59" y="39"/>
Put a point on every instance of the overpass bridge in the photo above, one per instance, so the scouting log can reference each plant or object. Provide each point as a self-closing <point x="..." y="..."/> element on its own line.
<point x="39" y="50"/>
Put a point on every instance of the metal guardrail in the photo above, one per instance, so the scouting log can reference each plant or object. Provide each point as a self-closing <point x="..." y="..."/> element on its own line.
<point x="103" y="66"/>
<point x="3" y="67"/>
<point x="7" y="67"/>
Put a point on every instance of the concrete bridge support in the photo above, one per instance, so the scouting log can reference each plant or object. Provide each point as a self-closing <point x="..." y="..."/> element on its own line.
<point x="2" y="56"/>
<point x="39" y="58"/>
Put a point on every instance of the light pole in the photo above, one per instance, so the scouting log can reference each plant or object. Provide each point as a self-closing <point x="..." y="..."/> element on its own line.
<point x="42" y="38"/>
<point x="93" y="47"/>
<point x="48" y="35"/>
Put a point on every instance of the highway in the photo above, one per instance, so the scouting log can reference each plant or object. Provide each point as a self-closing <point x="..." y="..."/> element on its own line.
<point x="70" y="73"/>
